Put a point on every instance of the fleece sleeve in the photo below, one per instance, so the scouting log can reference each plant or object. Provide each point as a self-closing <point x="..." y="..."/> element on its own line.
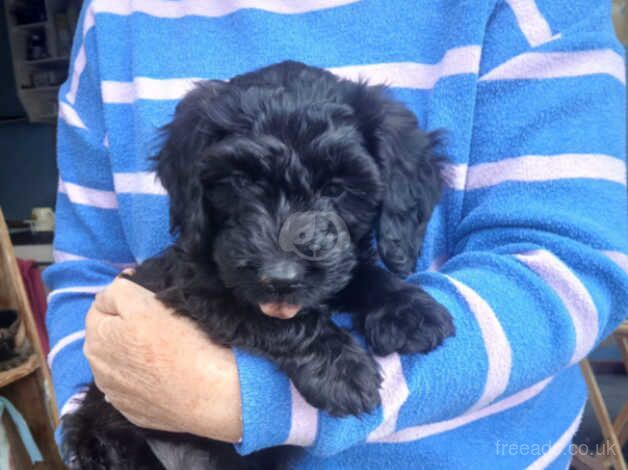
<point x="89" y="244"/>
<point x="535" y="276"/>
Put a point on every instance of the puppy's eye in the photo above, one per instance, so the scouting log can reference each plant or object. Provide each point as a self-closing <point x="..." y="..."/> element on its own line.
<point x="233" y="181"/>
<point x="239" y="180"/>
<point x="420" y="215"/>
<point x="333" y="189"/>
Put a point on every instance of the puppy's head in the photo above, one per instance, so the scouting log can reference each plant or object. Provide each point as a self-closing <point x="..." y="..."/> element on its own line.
<point x="277" y="195"/>
<point x="410" y="165"/>
<point x="279" y="182"/>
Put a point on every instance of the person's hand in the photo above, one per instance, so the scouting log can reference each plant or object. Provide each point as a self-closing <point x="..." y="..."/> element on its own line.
<point x="158" y="369"/>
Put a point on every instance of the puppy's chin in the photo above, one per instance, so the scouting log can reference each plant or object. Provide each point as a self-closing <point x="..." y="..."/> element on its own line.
<point x="281" y="310"/>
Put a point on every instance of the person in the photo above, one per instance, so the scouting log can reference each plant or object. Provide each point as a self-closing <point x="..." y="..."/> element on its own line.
<point x="527" y="248"/>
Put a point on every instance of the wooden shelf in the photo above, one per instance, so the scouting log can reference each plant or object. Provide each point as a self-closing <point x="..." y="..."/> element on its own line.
<point x="27" y="26"/>
<point x="29" y="385"/>
<point x="41" y="89"/>
<point x="47" y="60"/>
<point x="13" y="375"/>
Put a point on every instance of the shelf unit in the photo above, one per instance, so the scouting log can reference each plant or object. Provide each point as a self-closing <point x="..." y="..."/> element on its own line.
<point x="38" y="77"/>
<point x="19" y="372"/>
<point x="28" y="386"/>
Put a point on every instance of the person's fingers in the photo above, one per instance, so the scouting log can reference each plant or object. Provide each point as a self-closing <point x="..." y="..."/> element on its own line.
<point x="91" y="325"/>
<point x="93" y="318"/>
<point x="130" y="411"/>
<point x="105" y="301"/>
<point x="148" y="422"/>
<point x="139" y="421"/>
<point x="101" y="332"/>
<point x="99" y="382"/>
<point x="121" y="296"/>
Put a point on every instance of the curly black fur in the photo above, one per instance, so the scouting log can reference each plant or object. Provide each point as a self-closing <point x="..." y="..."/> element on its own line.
<point x="243" y="160"/>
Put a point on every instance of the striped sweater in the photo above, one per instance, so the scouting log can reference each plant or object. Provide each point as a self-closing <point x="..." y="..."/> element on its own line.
<point x="527" y="248"/>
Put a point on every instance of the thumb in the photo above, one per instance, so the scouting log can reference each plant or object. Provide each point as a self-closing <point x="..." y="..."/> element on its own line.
<point x="105" y="302"/>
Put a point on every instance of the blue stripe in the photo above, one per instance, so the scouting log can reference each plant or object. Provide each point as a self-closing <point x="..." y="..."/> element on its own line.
<point x="87" y="147"/>
<point x="494" y="278"/>
<point x="152" y="235"/>
<point x="269" y="388"/>
<point x="90" y="241"/>
<point x="479" y="444"/>
<point x="59" y="276"/>
<point x="466" y="377"/>
<point x="567" y="208"/>
<point x="135" y="132"/>
<point x="559" y="128"/>
<point x="70" y="372"/>
<point x="333" y="37"/>
<point x="579" y="16"/>
<point x="68" y="317"/>
<point x="511" y="40"/>
<point x="88" y="103"/>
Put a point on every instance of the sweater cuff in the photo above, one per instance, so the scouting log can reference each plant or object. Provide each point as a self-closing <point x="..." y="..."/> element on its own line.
<point x="266" y="403"/>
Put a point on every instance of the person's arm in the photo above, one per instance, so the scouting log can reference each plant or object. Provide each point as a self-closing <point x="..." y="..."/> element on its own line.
<point x="536" y="277"/>
<point x="90" y="246"/>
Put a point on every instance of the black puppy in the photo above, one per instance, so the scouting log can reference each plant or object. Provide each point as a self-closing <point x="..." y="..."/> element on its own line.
<point x="277" y="179"/>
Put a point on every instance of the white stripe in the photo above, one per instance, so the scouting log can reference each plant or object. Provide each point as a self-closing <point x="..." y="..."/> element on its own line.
<point x="437" y="263"/>
<point x="535" y="168"/>
<point x="455" y="175"/>
<point x="73" y="403"/>
<point x="303" y="421"/>
<point x="559" y="446"/>
<point x="425" y="430"/>
<point x="619" y="258"/>
<point x="144" y="88"/>
<point x="70" y="116"/>
<point x="62" y="343"/>
<point x="178" y="9"/>
<point x="394" y="392"/>
<point x="498" y="350"/>
<point x="462" y="60"/>
<point x="456" y="61"/>
<point x="75" y="290"/>
<point x="181" y="8"/>
<point x="545" y="65"/>
<point x="139" y="182"/>
<point x="532" y="23"/>
<point x="81" y="57"/>
<point x="78" y="194"/>
<point x="574" y="295"/>
<point x="63" y="256"/>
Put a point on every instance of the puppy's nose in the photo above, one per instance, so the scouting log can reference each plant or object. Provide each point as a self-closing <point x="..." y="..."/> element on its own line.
<point x="393" y="249"/>
<point x="281" y="274"/>
<point x="392" y="239"/>
<point x="395" y="255"/>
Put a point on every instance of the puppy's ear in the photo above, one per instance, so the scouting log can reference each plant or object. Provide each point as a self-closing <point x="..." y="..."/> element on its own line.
<point x="411" y="172"/>
<point x="413" y="188"/>
<point x="199" y="121"/>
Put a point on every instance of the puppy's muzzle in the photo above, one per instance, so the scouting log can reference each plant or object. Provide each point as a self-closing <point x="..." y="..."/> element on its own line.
<point x="282" y="276"/>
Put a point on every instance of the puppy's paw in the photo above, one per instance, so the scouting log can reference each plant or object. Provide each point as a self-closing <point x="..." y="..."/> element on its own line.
<point x="346" y="382"/>
<point x="410" y="322"/>
<point x="97" y="437"/>
<point x="83" y="448"/>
